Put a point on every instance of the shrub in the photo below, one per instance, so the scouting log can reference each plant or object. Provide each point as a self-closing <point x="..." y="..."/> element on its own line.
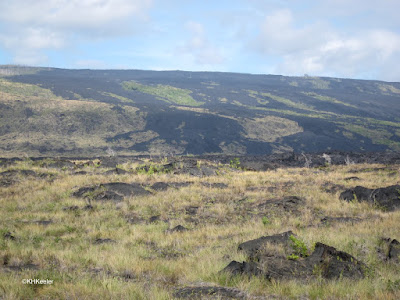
<point x="298" y="246"/>
<point x="235" y="163"/>
<point x="265" y="221"/>
<point x="293" y="257"/>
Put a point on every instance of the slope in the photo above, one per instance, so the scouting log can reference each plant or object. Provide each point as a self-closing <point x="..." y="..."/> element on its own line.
<point x="47" y="112"/>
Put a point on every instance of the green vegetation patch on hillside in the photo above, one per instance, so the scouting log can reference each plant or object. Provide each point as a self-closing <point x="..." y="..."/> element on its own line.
<point x="283" y="111"/>
<point x="166" y="93"/>
<point x="9" y="89"/>
<point x="256" y="96"/>
<point x="34" y="120"/>
<point x="376" y="135"/>
<point x="120" y="98"/>
<point x="269" y="128"/>
<point x="287" y="102"/>
<point x="385" y="88"/>
<point x="318" y="83"/>
<point x="327" y="99"/>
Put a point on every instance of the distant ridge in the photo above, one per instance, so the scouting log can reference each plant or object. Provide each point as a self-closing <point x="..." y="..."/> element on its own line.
<point x="60" y="112"/>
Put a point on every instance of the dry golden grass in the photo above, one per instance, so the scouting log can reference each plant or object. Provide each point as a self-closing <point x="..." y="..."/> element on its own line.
<point x="146" y="262"/>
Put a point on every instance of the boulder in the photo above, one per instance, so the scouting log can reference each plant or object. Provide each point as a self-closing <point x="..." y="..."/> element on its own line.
<point x="254" y="247"/>
<point x="114" y="191"/>
<point x="209" y="292"/>
<point x="325" y="261"/>
<point x="387" y="198"/>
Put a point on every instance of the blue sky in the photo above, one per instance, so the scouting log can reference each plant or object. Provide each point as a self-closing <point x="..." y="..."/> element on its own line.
<point x="339" y="38"/>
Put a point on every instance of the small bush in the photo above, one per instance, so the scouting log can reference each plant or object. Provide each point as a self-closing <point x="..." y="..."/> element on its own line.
<point x="235" y="163"/>
<point x="293" y="257"/>
<point x="265" y="221"/>
<point x="299" y="246"/>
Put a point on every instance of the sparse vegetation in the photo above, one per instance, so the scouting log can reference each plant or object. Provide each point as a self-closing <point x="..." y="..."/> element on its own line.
<point x="123" y="249"/>
<point x="69" y="115"/>
<point x="327" y="99"/>
<point x="143" y="227"/>
<point x="299" y="247"/>
<point x="270" y="128"/>
<point x="287" y="102"/>
<point x="166" y="93"/>
<point x="235" y="163"/>
<point x="266" y="221"/>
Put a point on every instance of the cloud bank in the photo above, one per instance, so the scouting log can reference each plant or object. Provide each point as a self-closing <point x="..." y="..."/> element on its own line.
<point x="318" y="48"/>
<point x="38" y="25"/>
<point x="340" y="38"/>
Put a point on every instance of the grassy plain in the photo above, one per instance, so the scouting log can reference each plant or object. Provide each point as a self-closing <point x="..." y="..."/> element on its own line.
<point x="145" y="261"/>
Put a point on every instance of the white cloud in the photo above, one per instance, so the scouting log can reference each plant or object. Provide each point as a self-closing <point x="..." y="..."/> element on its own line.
<point x="278" y="34"/>
<point x="319" y="49"/>
<point x="199" y="48"/>
<point x="33" y="38"/>
<point x="34" y="26"/>
<point x="67" y="14"/>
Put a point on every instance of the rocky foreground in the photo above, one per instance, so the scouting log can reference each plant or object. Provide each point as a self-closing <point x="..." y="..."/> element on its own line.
<point x="283" y="226"/>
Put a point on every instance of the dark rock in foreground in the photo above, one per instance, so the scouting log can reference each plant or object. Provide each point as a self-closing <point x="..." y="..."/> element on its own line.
<point x="351" y="178"/>
<point x="10" y="177"/>
<point x="391" y="250"/>
<point x="154" y="219"/>
<point x="103" y="241"/>
<point x="387" y="198"/>
<point x="194" y="167"/>
<point x="178" y="228"/>
<point x="18" y="172"/>
<point x="245" y="268"/>
<point x="60" y="164"/>
<point x="189" y="166"/>
<point x="21" y="267"/>
<point x="209" y="292"/>
<point x="80" y="173"/>
<point x="325" y="261"/>
<point x="332" y="263"/>
<point x="114" y="191"/>
<point x="71" y="208"/>
<point x="253" y="248"/>
<point x="9" y="236"/>
<point x="114" y="161"/>
<point x="116" y="171"/>
<point x="290" y="204"/>
<point x="160" y="186"/>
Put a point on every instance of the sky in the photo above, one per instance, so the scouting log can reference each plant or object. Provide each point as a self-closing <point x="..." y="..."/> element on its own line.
<point x="336" y="38"/>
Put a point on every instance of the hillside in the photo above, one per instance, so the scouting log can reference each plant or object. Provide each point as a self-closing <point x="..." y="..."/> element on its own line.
<point x="57" y="112"/>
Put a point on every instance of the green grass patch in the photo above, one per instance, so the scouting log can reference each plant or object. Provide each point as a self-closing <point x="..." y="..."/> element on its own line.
<point x="327" y="99"/>
<point x="165" y="93"/>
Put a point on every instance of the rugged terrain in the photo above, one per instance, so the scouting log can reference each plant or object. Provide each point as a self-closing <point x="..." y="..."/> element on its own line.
<point x="201" y="227"/>
<point x="57" y="112"/>
<point x="183" y="185"/>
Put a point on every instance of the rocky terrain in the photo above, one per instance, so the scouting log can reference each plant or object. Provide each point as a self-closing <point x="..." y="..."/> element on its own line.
<point x="55" y="112"/>
<point x="284" y="226"/>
